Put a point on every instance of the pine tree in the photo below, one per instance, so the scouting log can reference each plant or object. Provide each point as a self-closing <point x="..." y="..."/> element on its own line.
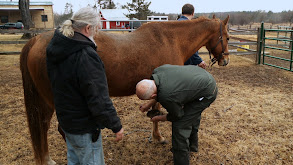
<point x="140" y="7"/>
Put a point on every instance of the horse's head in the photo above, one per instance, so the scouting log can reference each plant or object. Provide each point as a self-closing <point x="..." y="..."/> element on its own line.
<point x="218" y="44"/>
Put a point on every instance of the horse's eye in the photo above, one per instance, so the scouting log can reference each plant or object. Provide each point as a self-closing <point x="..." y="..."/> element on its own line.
<point x="228" y="39"/>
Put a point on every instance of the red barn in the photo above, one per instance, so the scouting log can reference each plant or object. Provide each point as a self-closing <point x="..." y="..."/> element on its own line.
<point x="116" y="17"/>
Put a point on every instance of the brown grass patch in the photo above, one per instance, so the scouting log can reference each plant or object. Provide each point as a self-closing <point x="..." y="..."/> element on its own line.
<point x="257" y="129"/>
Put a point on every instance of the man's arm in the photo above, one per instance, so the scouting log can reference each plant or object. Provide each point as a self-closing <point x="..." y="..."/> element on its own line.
<point x="195" y="59"/>
<point x="94" y="88"/>
<point x="175" y="111"/>
<point x="145" y="107"/>
<point x="159" y="118"/>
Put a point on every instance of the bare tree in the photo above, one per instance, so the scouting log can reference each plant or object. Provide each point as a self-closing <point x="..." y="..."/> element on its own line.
<point x="60" y="18"/>
<point x="68" y="8"/>
<point x="25" y="16"/>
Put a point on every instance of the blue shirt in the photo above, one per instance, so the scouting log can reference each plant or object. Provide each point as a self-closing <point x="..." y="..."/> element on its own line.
<point x="194" y="59"/>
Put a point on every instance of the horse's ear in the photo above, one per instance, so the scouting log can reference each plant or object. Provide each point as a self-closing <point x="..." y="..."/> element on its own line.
<point x="214" y="16"/>
<point x="226" y="20"/>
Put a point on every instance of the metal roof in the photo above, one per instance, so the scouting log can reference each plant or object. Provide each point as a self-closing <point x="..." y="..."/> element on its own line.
<point x="32" y="3"/>
<point x="115" y="14"/>
<point x="16" y="8"/>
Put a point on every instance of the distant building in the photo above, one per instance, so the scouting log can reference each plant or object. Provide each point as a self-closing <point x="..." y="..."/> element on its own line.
<point x="114" y="18"/>
<point x="157" y="18"/>
<point x="41" y="12"/>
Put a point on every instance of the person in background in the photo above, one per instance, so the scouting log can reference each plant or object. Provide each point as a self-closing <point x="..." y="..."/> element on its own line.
<point x="188" y="14"/>
<point x="80" y="89"/>
<point x="185" y="92"/>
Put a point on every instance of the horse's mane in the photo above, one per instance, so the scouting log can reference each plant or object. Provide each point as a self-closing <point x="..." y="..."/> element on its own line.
<point x="155" y="30"/>
<point x="175" y="23"/>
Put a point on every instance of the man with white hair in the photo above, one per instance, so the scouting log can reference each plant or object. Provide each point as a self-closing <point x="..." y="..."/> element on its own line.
<point x="80" y="89"/>
<point x="185" y="92"/>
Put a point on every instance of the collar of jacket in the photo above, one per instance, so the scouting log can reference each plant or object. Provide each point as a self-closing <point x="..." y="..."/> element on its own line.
<point x="182" y="18"/>
<point x="61" y="47"/>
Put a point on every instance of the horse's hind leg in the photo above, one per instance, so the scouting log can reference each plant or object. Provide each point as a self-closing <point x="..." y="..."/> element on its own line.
<point x="156" y="134"/>
<point x="41" y="128"/>
<point x="47" y="117"/>
<point x="39" y="115"/>
<point x="38" y="111"/>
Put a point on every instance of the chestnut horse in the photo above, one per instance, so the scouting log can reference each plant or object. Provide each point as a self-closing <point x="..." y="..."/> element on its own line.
<point x="128" y="58"/>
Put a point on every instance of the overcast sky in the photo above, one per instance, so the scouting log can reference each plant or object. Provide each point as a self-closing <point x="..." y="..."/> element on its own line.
<point x="201" y="6"/>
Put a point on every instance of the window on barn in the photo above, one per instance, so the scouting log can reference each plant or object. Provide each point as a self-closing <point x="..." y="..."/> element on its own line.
<point x="4" y="19"/>
<point x="117" y="23"/>
<point x="44" y="18"/>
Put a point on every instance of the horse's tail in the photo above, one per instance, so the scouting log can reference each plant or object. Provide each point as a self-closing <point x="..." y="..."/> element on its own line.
<point x="35" y="108"/>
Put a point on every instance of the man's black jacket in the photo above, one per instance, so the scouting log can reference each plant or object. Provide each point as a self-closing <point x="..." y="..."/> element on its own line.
<point x="79" y="85"/>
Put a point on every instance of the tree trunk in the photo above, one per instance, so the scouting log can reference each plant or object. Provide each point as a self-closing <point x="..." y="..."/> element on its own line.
<point x="26" y="17"/>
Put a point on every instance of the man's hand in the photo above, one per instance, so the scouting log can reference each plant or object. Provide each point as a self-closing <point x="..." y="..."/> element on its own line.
<point x="145" y="107"/>
<point x="202" y="65"/>
<point x="119" y="135"/>
<point x="159" y="118"/>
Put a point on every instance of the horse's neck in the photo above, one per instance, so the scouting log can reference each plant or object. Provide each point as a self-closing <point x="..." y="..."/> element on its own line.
<point x="197" y="34"/>
<point x="187" y="36"/>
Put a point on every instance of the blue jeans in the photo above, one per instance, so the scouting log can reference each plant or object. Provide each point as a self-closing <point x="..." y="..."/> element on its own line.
<point x="82" y="151"/>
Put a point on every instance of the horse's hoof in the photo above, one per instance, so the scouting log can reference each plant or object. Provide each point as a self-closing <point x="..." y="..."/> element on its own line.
<point x="154" y="112"/>
<point x="50" y="161"/>
<point x="164" y="142"/>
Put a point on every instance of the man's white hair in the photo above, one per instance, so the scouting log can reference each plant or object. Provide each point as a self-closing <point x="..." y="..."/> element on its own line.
<point x="145" y="89"/>
<point x="83" y="17"/>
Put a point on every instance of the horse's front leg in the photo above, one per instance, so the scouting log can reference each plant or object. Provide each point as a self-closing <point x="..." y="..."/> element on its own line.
<point x="156" y="134"/>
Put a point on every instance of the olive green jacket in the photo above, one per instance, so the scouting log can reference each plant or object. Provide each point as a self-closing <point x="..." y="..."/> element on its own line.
<point x="179" y="85"/>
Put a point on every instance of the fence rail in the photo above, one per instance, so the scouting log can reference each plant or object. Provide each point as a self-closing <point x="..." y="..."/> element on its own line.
<point x="132" y="27"/>
<point x="13" y="42"/>
<point x="14" y="31"/>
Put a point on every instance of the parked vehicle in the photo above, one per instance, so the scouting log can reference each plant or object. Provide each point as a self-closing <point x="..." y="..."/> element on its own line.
<point x="17" y="25"/>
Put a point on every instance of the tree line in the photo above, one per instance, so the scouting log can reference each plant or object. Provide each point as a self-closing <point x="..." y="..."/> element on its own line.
<point x="249" y="17"/>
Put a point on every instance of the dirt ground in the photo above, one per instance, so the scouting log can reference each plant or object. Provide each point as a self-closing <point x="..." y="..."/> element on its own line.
<point x="249" y="123"/>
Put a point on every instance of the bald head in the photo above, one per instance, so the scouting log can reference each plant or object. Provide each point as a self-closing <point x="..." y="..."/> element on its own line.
<point x="145" y="89"/>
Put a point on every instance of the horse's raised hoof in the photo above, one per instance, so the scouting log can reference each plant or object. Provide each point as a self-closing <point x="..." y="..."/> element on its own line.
<point x="154" y="112"/>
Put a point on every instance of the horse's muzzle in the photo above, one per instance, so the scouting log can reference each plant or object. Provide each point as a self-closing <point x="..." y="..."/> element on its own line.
<point x="224" y="62"/>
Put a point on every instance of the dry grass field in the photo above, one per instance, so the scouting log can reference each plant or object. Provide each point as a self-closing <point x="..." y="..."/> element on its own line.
<point x="249" y="123"/>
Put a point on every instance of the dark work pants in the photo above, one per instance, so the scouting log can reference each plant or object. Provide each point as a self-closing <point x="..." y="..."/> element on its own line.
<point x="184" y="131"/>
